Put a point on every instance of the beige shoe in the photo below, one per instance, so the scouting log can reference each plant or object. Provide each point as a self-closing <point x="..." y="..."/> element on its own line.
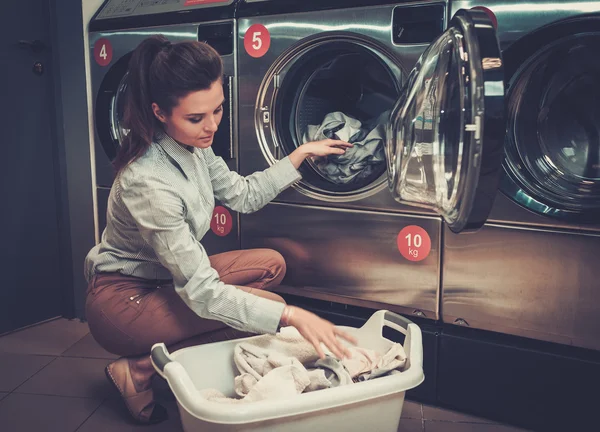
<point x="140" y="404"/>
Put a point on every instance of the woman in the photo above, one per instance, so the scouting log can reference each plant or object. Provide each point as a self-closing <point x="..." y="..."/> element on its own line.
<point x="150" y="279"/>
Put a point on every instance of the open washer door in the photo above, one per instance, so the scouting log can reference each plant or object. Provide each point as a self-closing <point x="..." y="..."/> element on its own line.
<point x="446" y="133"/>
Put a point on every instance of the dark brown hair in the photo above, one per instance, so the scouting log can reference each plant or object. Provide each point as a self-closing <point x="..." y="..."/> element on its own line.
<point x="162" y="73"/>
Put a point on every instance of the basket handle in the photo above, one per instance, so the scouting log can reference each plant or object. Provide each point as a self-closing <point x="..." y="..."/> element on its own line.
<point x="397" y="322"/>
<point x="160" y="357"/>
<point x="385" y="318"/>
<point x="413" y="343"/>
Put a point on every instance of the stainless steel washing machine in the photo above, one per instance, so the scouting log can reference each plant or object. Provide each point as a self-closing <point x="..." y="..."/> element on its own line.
<point x="352" y="242"/>
<point x="533" y="270"/>
<point x="115" y="31"/>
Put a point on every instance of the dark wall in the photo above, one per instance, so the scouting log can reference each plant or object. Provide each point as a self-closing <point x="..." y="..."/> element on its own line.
<point x="76" y="212"/>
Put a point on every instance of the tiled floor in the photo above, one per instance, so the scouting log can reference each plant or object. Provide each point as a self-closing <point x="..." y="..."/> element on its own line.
<point x="52" y="380"/>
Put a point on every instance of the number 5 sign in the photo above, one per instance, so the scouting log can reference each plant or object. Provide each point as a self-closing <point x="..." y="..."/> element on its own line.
<point x="103" y="52"/>
<point x="257" y="40"/>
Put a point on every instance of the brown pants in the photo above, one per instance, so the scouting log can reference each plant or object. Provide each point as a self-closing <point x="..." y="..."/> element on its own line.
<point x="127" y="315"/>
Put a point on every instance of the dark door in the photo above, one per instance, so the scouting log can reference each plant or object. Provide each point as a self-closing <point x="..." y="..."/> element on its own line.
<point x="29" y="252"/>
<point x="446" y="135"/>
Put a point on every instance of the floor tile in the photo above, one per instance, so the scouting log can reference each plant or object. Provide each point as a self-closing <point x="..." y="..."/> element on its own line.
<point x="439" y="414"/>
<point x="410" y="425"/>
<point x="89" y="348"/>
<point x="411" y="410"/>
<point x="113" y="416"/>
<point x="15" y="369"/>
<point x="75" y="377"/>
<point x="19" y="412"/>
<point x="51" y="338"/>
<point x="442" y="426"/>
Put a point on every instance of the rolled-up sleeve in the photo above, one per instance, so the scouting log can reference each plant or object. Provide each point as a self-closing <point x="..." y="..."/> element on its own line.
<point x="159" y="214"/>
<point x="250" y="193"/>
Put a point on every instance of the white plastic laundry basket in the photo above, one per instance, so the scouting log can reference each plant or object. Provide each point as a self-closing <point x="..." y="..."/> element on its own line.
<point x="373" y="406"/>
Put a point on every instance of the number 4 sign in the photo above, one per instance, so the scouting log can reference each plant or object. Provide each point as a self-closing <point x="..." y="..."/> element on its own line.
<point x="257" y="40"/>
<point x="414" y="243"/>
<point x="103" y="52"/>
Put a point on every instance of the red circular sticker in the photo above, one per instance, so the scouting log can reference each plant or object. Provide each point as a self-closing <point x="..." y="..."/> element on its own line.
<point x="414" y="243"/>
<point x="103" y="52"/>
<point x="221" y="221"/>
<point x="257" y="40"/>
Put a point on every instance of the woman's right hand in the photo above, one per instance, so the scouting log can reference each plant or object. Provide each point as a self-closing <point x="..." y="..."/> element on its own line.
<point x="316" y="330"/>
<point x="321" y="148"/>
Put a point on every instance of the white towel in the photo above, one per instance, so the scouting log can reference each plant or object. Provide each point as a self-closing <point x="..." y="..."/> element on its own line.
<point x="272" y="367"/>
<point x="368" y="364"/>
<point x="280" y="383"/>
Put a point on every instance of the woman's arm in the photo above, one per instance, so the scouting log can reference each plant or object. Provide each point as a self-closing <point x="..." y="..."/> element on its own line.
<point x="159" y="214"/>
<point x="251" y="193"/>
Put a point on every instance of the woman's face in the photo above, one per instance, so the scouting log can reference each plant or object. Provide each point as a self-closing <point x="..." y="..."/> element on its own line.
<point x="196" y="119"/>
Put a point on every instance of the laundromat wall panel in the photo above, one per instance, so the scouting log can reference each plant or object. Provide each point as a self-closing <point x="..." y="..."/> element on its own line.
<point x="533" y="283"/>
<point x="352" y="256"/>
<point x="102" y="195"/>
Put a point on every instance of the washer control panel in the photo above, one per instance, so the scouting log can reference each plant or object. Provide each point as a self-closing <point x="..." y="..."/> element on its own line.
<point x="127" y="8"/>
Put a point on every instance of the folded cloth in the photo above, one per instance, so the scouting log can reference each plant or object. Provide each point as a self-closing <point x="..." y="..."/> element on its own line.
<point x="285" y="365"/>
<point x="393" y="360"/>
<point x="271" y="367"/>
<point x="258" y="356"/>
<point x="280" y="383"/>
<point x="359" y="161"/>
<point x="367" y="364"/>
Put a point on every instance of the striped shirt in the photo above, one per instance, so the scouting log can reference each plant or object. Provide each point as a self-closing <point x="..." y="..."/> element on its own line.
<point x="160" y="206"/>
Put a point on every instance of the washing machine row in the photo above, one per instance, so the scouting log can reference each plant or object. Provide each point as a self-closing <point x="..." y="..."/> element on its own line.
<point x="115" y="31"/>
<point x="532" y="270"/>
<point x="388" y="237"/>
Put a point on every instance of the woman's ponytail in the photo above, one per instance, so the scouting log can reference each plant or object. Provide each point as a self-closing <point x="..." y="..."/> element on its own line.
<point x="138" y="116"/>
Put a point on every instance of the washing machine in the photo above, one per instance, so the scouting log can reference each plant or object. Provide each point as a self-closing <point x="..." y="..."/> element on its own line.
<point x="115" y="31"/>
<point x="429" y="88"/>
<point x="533" y="271"/>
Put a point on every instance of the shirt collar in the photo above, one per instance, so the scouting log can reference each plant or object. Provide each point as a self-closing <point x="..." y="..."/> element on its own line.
<point x="180" y="154"/>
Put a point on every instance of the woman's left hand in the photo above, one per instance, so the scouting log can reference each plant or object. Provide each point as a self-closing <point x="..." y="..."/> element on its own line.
<point x="318" y="149"/>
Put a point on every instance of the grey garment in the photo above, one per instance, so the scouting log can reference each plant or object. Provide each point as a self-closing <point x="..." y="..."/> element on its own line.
<point x="360" y="161"/>
<point x="334" y="370"/>
<point x="160" y="206"/>
<point x="376" y="373"/>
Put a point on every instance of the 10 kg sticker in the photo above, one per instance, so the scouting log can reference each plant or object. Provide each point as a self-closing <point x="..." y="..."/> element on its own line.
<point x="221" y="222"/>
<point x="414" y="243"/>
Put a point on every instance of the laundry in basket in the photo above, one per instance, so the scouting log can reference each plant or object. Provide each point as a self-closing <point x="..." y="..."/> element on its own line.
<point x="285" y="365"/>
<point x="374" y="405"/>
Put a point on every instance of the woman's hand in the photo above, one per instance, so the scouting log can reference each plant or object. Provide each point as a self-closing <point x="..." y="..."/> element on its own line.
<point x="318" y="149"/>
<point x="316" y="330"/>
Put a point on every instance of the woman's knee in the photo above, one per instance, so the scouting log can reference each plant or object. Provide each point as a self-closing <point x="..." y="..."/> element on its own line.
<point x="277" y="266"/>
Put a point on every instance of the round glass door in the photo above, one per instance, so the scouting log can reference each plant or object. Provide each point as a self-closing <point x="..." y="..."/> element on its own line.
<point x="117" y="112"/>
<point x="338" y="86"/>
<point x="445" y="137"/>
<point x="110" y="104"/>
<point x="553" y="146"/>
